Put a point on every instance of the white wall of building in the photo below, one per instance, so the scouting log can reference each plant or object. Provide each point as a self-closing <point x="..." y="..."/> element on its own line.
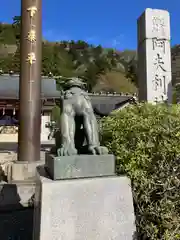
<point x="44" y="130"/>
<point x="13" y="137"/>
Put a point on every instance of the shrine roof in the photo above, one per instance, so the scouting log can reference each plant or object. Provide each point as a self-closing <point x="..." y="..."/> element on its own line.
<point x="9" y="87"/>
<point x="103" y="103"/>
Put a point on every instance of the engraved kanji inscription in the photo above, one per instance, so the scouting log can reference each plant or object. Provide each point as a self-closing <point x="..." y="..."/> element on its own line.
<point x="158" y="24"/>
<point x="158" y="44"/>
<point x="159" y="63"/>
<point x="32" y="10"/>
<point x="32" y="36"/>
<point x="31" y="58"/>
<point x="159" y="82"/>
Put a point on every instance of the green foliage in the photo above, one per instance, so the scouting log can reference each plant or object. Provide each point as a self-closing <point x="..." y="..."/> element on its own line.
<point x="15" y="61"/>
<point x="56" y="60"/>
<point x="146" y="141"/>
<point x="7" y="35"/>
<point x="115" y="81"/>
<point x="56" y="112"/>
<point x="176" y="93"/>
<point x="131" y="73"/>
<point x="65" y="58"/>
<point x="5" y="63"/>
<point x="17" y="27"/>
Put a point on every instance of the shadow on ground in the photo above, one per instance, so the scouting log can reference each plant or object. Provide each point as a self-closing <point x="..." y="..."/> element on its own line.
<point x="16" y="222"/>
<point x="16" y="225"/>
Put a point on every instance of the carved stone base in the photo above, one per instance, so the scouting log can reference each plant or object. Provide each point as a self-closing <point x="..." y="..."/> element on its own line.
<point x="99" y="208"/>
<point x="23" y="171"/>
<point x="79" y="166"/>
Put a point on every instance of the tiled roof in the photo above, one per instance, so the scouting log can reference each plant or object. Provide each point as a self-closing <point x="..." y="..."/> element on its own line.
<point x="103" y="104"/>
<point x="9" y="87"/>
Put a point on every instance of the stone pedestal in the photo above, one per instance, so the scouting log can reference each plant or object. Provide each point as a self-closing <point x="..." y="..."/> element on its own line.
<point x="23" y="171"/>
<point x="91" y="208"/>
<point x="79" y="166"/>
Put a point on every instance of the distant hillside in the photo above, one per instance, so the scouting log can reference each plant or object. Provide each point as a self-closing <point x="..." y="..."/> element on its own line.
<point x="7" y="34"/>
<point x="92" y="63"/>
<point x="103" y="69"/>
<point x="6" y="49"/>
<point x="175" y="52"/>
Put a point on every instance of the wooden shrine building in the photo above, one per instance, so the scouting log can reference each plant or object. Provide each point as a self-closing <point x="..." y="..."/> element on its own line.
<point x="103" y="104"/>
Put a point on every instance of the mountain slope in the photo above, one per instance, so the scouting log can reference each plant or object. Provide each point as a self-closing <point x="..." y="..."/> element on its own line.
<point x="68" y="59"/>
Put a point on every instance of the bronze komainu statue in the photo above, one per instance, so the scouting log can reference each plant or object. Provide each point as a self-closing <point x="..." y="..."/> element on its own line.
<point x="78" y="126"/>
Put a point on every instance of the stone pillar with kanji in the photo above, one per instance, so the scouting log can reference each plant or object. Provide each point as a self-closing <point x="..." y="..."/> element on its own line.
<point x="154" y="56"/>
<point x="30" y="81"/>
<point x="24" y="169"/>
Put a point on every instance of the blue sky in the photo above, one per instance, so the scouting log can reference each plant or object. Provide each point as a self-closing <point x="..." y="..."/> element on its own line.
<point x="111" y="23"/>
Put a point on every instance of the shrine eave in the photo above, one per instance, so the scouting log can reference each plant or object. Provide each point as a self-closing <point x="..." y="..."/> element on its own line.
<point x="103" y="103"/>
<point x="9" y="87"/>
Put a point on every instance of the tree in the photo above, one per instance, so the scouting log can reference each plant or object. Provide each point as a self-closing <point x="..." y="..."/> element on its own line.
<point x="5" y="63"/>
<point x="15" y="61"/>
<point x="65" y="58"/>
<point x="145" y="140"/>
<point x="114" y="81"/>
<point x="17" y="27"/>
<point x="131" y="72"/>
